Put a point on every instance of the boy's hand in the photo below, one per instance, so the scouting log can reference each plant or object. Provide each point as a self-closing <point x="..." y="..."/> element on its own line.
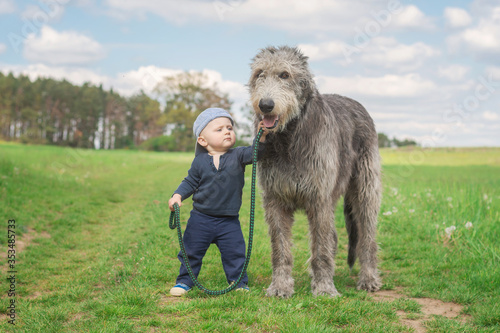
<point x="264" y="133"/>
<point x="175" y="199"/>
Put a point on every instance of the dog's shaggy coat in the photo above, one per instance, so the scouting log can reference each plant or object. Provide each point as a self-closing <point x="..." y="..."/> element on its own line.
<point x="323" y="147"/>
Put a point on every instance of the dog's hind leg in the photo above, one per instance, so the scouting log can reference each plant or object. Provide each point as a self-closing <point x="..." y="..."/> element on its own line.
<point x="280" y="222"/>
<point x="321" y="217"/>
<point x="363" y="198"/>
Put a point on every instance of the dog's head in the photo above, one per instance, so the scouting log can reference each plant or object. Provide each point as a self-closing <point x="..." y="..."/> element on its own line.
<point x="280" y="85"/>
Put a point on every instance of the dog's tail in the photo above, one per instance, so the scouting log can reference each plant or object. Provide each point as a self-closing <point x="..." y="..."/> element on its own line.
<point x="352" y="231"/>
<point x="361" y="207"/>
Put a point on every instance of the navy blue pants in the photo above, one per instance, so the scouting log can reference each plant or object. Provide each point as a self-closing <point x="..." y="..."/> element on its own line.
<point x="225" y="232"/>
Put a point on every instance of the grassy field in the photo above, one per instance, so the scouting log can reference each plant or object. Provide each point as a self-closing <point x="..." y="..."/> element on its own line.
<point x="95" y="254"/>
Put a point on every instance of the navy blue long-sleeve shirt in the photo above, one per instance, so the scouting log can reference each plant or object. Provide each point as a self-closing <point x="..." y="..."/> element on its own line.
<point x="218" y="192"/>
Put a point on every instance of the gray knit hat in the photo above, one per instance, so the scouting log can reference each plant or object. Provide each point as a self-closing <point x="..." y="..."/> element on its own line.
<point x="202" y="121"/>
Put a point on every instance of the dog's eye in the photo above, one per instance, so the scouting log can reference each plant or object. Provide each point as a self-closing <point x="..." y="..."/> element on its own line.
<point x="259" y="74"/>
<point x="284" y="75"/>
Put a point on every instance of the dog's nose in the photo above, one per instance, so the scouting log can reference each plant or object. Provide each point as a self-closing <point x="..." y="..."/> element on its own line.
<point x="266" y="105"/>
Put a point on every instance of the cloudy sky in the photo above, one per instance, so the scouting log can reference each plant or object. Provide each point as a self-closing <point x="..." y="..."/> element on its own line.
<point x="427" y="70"/>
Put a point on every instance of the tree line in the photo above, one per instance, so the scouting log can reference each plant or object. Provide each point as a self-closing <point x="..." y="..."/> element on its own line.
<point x="57" y="112"/>
<point x="384" y="141"/>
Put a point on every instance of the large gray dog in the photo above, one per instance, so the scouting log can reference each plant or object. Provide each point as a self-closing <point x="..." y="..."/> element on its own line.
<point x="321" y="147"/>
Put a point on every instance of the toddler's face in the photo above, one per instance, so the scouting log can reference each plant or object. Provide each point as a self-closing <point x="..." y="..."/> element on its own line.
<point x="219" y="134"/>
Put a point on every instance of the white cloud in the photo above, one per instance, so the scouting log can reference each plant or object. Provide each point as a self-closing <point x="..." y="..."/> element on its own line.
<point x="317" y="17"/>
<point x="482" y="40"/>
<point x="453" y="73"/>
<point x="63" y="48"/>
<point x="3" y="47"/>
<point x="397" y="86"/>
<point x="457" y="17"/>
<point x="326" y="50"/>
<point x="389" y="53"/>
<point x="412" y="17"/>
<point x="432" y="130"/>
<point x="494" y="72"/>
<point x="73" y="74"/>
<point x="40" y="14"/>
<point x="236" y="90"/>
<point x="490" y="116"/>
<point x="380" y="52"/>
<point x="144" y="78"/>
<point x="171" y="10"/>
<point x="483" y="7"/>
<point x="7" y="6"/>
<point x="302" y="16"/>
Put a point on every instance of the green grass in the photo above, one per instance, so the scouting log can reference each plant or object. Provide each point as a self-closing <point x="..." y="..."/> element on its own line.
<point x="102" y="258"/>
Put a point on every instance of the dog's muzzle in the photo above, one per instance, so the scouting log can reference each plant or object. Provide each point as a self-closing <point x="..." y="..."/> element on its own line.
<point x="266" y="106"/>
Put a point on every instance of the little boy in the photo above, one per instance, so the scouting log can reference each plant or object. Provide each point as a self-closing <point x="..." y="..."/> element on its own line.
<point x="216" y="181"/>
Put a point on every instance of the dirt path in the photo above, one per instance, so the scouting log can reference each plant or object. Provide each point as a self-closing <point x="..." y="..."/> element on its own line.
<point x="22" y="242"/>
<point x="430" y="307"/>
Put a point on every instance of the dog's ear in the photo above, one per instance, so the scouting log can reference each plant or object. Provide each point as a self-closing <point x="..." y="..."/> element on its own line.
<point x="307" y="87"/>
<point x="303" y="58"/>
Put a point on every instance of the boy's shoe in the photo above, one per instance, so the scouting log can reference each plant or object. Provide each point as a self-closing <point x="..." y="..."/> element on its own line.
<point x="179" y="289"/>
<point x="243" y="287"/>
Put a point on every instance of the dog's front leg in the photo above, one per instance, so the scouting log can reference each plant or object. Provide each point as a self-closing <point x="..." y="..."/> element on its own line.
<point x="280" y="222"/>
<point x="323" y="247"/>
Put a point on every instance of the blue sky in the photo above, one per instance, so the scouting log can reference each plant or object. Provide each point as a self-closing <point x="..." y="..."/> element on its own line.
<point x="426" y="70"/>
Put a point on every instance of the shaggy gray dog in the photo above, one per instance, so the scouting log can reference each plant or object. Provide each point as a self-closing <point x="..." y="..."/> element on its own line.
<point x="320" y="148"/>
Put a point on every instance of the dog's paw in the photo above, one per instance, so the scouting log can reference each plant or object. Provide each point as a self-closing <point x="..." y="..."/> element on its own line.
<point x="326" y="288"/>
<point x="369" y="282"/>
<point x="331" y="293"/>
<point x="283" y="289"/>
